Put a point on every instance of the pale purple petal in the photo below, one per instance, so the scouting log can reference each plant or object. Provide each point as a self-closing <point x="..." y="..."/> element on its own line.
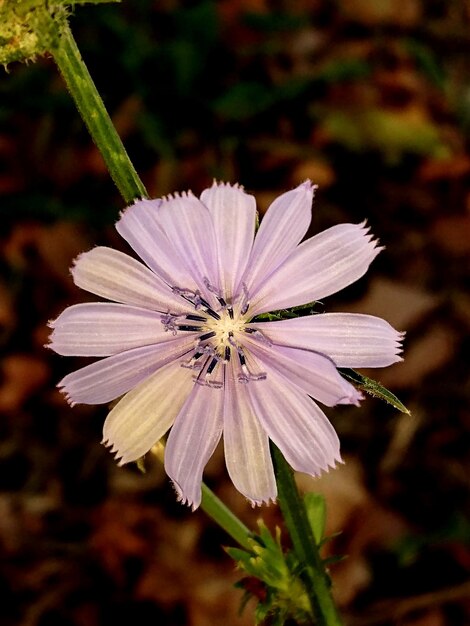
<point x="192" y="441"/>
<point x="295" y="424"/>
<point x="145" y="414"/>
<point x="234" y="214"/>
<point x="282" y="228"/>
<point x="102" y="329"/>
<point x="188" y="225"/>
<point x="349" y="339"/>
<point x="312" y="372"/>
<point x="320" y="266"/>
<point x="246" y="444"/>
<point x="140" y="227"/>
<point x="109" y="378"/>
<point x="117" y="276"/>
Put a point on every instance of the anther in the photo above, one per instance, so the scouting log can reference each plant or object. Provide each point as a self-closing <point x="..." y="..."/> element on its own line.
<point x="193" y="363"/>
<point x="245" y="304"/>
<point x="219" y="298"/>
<point x="194" y="297"/>
<point x="247" y="376"/>
<point x="207" y="336"/>
<point x="169" y="322"/>
<point x="259" y="335"/>
<point x="212" y="365"/>
<point x="227" y="354"/>
<point x="194" y="329"/>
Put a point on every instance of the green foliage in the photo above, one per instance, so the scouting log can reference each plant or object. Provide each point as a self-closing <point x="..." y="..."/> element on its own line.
<point x="282" y="594"/>
<point x="389" y="132"/>
<point x="274" y="575"/>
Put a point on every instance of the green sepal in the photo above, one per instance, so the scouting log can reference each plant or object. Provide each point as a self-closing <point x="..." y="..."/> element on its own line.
<point x="373" y="388"/>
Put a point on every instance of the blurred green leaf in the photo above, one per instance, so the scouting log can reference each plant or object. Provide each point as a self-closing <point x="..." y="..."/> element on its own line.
<point x="316" y="512"/>
<point x="392" y="133"/>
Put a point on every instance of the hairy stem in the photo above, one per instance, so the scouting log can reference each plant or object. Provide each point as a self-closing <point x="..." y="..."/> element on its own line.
<point x="314" y="576"/>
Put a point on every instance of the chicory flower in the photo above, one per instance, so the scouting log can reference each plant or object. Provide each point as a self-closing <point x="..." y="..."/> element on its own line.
<point x="181" y="344"/>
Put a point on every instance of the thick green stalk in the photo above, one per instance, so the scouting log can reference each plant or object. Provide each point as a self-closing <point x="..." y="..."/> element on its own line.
<point x="295" y="516"/>
<point x="94" y="114"/>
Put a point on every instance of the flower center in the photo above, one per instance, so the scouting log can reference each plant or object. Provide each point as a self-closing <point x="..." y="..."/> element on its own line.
<point x="218" y="334"/>
<point x="226" y="330"/>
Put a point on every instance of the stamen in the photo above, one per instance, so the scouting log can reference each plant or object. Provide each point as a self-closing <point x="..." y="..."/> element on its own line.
<point x="227" y="354"/>
<point x="196" y="318"/>
<point x="245" y="303"/>
<point x="193" y="363"/>
<point x="259" y="335"/>
<point x="169" y="322"/>
<point x="206" y="382"/>
<point x="220" y="299"/>
<point x="247" y="376"/>
<point x="194" y="297"/>
<point x="212" y="365"/>
<point x="216" y="384"/>
<point x="207" y="336"/>
<point x="194" y="329"/>
<point x="210" y="368"/>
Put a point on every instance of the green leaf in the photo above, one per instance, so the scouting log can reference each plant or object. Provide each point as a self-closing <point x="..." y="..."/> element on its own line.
<point x="373" y="388"/>
<point x="316" y="513"/>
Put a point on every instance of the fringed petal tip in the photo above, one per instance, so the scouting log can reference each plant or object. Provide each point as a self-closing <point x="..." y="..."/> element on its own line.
<point x="77" y="260"/>
<point x="400" y="338"/>
<point x="183" y="499"/>
<point x="396" y="347"/>
<point x="266" y="501"/>
<point x="325" y="467"/>
<point x="119" y="456"/>
<point x="52" y="323"/>
<point x="309" y="186"/>
<point x="335" y="462"/>
<point x="177" y="195"/>
<point x="370" y="238"/>
<point x="66" y="394"/>
<point x="221" y="183"/>
<point x="152" y="203"/>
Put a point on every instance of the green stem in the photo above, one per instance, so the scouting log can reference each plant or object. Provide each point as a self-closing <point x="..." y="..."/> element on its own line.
<point x="216" y="509"/>
<point x="94" y="114"/>
<point x="100" y="126"/>
<point x="295" y="516"/>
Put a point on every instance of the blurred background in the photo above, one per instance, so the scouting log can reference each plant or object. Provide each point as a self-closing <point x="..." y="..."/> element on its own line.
<point x="371" y="100"/>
